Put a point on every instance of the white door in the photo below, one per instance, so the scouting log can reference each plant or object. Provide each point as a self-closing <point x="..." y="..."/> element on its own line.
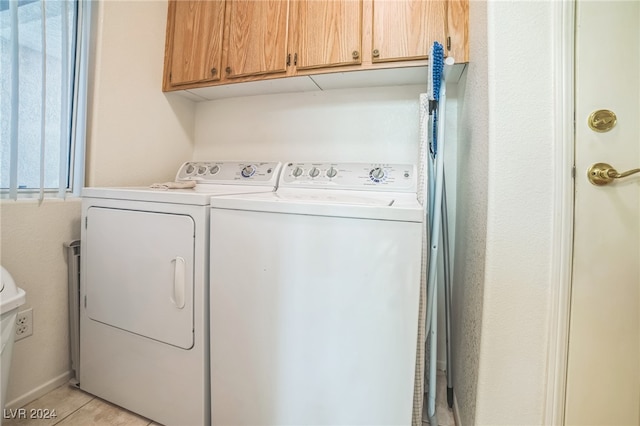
<point x="603" y="378"/>
<point x="139" y="275"/>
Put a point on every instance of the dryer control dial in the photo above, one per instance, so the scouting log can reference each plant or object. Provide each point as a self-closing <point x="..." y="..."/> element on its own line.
<point x="248" y="171"/>
<point x="377" y="174"/>
<point x="332" y="172"/>
<point x="190" y="169"/>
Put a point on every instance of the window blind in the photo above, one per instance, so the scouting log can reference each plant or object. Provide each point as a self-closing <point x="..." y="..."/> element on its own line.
<point x="47" y="44"/>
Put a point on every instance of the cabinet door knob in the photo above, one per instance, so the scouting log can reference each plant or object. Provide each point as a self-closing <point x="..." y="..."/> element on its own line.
<point x="355" y="54"/>
<point x="213" y="71"/>
<point x="228" y="70"/>
<point x="376" y="53"/>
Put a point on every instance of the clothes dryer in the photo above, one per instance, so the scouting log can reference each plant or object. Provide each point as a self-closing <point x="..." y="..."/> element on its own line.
<point x="315" y="298"/>
<point x="144" y="334"/>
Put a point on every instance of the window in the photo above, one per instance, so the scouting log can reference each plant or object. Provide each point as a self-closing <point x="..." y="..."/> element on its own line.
<point x="43" y="52"/>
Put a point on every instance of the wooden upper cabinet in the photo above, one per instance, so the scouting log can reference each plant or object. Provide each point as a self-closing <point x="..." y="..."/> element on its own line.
<point x="257" y="37"/>
<point x="211" y="42"/>
<point x="406" y="29"/>
<point x="458" y="29"/>
<point x="329" y="33"/>
<point x="193" y="51"/>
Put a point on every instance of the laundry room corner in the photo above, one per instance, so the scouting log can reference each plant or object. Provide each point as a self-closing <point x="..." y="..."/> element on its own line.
<point x="32" y="249"/>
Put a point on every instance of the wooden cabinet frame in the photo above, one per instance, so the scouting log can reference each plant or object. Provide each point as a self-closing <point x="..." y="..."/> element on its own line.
<point x="455" y="27"/>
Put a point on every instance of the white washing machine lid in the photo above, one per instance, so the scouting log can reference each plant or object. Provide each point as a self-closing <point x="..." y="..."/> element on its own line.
<point x="338" y="203"/>
<point x="11" y="296"/>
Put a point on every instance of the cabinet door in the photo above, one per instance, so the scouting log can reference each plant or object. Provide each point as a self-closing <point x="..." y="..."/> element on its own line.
<point x="406" y="29"/>
<point x="329" y="33"/>
<point x="257" y="41"/>
<point x="194" y="41"/>
<point x="458" y="29"/>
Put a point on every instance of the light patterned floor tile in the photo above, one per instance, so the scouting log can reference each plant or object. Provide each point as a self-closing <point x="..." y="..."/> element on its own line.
<point x="444" y="414"/>
<point x="101" y="413"/>
<point x="56" y="405"/>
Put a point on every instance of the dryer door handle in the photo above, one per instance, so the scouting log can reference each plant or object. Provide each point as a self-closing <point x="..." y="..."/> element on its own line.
<point x="178" y="282"/>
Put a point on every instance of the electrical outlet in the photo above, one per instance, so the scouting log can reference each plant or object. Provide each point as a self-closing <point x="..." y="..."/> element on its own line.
<point x="24" y="324"/>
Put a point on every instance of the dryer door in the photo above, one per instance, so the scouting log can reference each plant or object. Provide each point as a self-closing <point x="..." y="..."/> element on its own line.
<point x="139" y="275"/>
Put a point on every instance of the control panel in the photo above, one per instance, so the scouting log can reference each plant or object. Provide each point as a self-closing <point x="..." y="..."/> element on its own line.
<point x="228" y="171"/>
<point x="357" y="176"/>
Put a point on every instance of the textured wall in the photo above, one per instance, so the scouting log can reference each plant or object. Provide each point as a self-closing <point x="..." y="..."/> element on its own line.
<point x="471" y="223"/>
<point x="505" y="216"/>
<point x="514" y="342"/>
<point x="32" y="251"/>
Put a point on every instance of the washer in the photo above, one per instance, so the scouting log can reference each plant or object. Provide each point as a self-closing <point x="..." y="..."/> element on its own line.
<point x="315" y="297"/>
<point x="144" y="335"/>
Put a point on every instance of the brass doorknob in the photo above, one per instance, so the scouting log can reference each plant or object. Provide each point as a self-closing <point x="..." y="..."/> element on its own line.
<point x="603" y="174"/>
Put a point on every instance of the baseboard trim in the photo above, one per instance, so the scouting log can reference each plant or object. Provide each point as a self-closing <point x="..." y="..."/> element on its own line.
<point x="36" y="393"/>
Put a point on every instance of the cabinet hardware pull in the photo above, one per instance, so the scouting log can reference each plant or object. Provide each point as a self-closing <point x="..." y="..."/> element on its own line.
<point x="355" y="54"/>
<point x="179" y="282"/>
<point x="228" y="70"/>
<point x="376" y="53"/>
<point x="288" y="59"/>
<point x="213" y="71"/>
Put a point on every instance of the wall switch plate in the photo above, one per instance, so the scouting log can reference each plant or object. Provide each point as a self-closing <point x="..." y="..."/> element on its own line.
<point x="24" y="324"/>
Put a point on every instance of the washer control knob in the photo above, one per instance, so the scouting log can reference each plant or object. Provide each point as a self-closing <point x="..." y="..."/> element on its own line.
<point x="297" y="172"/>
<point x="248" y="171"/>
<point x="377" y="174"/>
<point x="190" y="169"/>
<point x="214" y="169"/>
<point x="314" y="172"/>
<point x="331" y="173"/>
<point x="202" y="170"/>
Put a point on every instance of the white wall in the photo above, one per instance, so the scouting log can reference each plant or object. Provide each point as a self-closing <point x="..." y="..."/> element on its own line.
<point x="508" y="135"/>
<point x="471" y="223"/>
<point x="520" y="214"/>
<point x="32" y="250"/>
<point x="137" y="134"/>
<point x="370" y="125"/>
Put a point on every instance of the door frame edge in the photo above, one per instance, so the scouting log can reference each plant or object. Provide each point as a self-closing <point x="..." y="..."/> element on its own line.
<point x="563" y="49"/>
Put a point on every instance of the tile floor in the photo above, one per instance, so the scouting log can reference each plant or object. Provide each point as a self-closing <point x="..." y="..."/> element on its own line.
<point x="444" y="414"/>
<point x="74" y="407"/>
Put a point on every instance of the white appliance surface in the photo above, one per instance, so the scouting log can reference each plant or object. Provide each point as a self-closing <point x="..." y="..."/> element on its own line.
<point x="315" y="297"/>
<point x="211" y="178"/>
<point x="144" y="334"/>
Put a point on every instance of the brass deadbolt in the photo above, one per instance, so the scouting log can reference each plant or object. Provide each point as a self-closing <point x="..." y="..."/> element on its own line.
<point x="602" y="120"/>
